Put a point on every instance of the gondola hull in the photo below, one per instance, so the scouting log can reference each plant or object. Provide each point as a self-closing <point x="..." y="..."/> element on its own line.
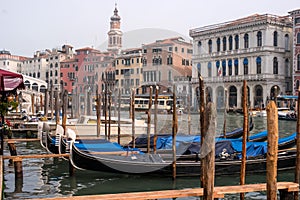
<point x="129" y="165"/>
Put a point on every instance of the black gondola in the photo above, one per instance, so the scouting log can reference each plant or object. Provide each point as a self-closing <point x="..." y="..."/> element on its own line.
<point x="155" y="164"/>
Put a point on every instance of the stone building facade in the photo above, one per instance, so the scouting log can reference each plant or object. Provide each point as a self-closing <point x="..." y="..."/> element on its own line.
<point x="11" y="62"/>
<point x="295" y="14"/>
<point x="164" y="61"/>
<point x="129" y="71"/>
<point x="257" y="48"/>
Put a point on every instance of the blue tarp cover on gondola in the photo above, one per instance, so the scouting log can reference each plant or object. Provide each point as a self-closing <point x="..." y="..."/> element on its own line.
<point x="101" y="145"/>
<point x="288" y="138"/>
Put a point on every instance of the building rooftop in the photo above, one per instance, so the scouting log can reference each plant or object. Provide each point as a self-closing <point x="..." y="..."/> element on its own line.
<point x="167" y="41"/>
<point x="257" y="18"/>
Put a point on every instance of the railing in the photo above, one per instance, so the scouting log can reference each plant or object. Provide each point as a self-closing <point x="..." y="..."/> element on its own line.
<point x="239" y="78"/>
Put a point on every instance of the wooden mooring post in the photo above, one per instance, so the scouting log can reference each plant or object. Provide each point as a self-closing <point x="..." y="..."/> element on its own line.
<point x="18" y="167"/>
<point x="174" y="132"/>
<point x="297" y="169"/>
<point x="245" y="133"/>
<point x="119" y="116"/>
<point x="225" y="112"/>
<point x="109" y="114"/>
<point x="208" y="152"/>
<point x="64" y="110"/>
<point x="202" y="121"/>
<point x="155" y="118"/>
<point x="98" y="111"/>
<point x="133" y="116"/>
<point x="149" y="120"/>
<point x="272" y="155"/>
<point x="105" y="111"/>
<point x="189" y="113"/>
<point x="56" y="96"/>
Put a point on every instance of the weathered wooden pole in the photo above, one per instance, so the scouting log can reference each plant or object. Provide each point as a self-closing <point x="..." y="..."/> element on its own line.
<point x="64" y="111"/>
<point x="18" y="167"/>
<point x="105" y="111"/>
<point x="203" y="122"/>
<point x="272" y="155"/>
<point x="12" y="149"/>
<point x="51" y="100"/>
<point x="130" y="107"/>
<point x="109" y="115"/>
<point x="41" y="102"/>
<point x="225" y="112"/>
<point x="245" y="133"/>
<point x="57" y="114"/>
<point x="119" y="116"/>
<point x="208" y="152"/>
<point x="149" y="120"/>
<point x="297" y="169"/>
<point x="98" y="111"/>
<point x="174" y="132"/>
<point x="189" y="113"/>
<point x="133" y="117"/>
<point x="32" y="104"/>
<point x="155" y="118"/>
<point x="46" y="103"/>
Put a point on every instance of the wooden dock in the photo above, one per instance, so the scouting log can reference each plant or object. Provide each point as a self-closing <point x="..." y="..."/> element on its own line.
<point x="219" y="192"/>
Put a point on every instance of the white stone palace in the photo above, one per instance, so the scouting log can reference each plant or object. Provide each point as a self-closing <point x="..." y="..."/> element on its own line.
<point x="257" y="48"/>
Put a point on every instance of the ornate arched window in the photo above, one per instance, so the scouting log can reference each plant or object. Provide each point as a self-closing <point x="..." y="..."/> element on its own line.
<point x="287" y="67"/>
<point x="286" y="42"/>
<point x="246" y="41"/>
<point x="218" y="44"/>
<point x="236" y="67"/>
<point x="209" y="69"/>
<point x="224" y="43"/>
<point x="230" y="67"/>
<point x="275" y="65"/>
<point x="224" y="67"/>
<point x="259" y="39"/>
<point x="218" y="67"/>
<point x="298" y="62"/>
<point x="199" y="69"/>
<point x="230" y="43"/>
<point x="245" y="63"/>
<point x="236" y="40"/>
<point x="209" y="46"/>
<point x="258" y="65"/>
<point x="275" y="39"/>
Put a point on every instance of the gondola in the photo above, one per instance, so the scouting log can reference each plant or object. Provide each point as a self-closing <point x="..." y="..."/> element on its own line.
<point x="165" y="141"/>
<point x="287" y="142"/>
<point x="237" y="132"/>
<point x="118" y="160"/>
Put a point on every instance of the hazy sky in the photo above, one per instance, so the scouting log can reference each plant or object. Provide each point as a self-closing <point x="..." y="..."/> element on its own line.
<point x="31" y="25"/>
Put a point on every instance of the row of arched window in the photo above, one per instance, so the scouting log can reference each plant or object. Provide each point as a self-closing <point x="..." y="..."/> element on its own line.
<point x="51" y="65"/>
<point x="232" y="65"/>
<point x="34" y="75"/>
<point x="234" y="42"/>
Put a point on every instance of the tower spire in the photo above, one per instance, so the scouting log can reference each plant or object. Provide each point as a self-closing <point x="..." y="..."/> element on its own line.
<point x="115" y="33"/>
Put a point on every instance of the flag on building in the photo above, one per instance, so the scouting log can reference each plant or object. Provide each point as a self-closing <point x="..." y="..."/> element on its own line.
<point x="220" y="71"/>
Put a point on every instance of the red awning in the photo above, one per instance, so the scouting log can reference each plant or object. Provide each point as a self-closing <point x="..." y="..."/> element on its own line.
<point x="10" y="81"/>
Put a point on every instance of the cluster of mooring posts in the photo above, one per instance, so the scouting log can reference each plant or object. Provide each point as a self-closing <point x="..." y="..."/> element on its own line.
<point x="287" y="190"/>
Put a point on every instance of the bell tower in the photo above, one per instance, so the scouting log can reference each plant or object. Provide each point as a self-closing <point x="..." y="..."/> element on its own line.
<point x="115" y="33"/>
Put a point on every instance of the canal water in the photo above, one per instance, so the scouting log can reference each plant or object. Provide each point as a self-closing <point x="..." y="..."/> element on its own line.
<point x="49" y="177"/>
